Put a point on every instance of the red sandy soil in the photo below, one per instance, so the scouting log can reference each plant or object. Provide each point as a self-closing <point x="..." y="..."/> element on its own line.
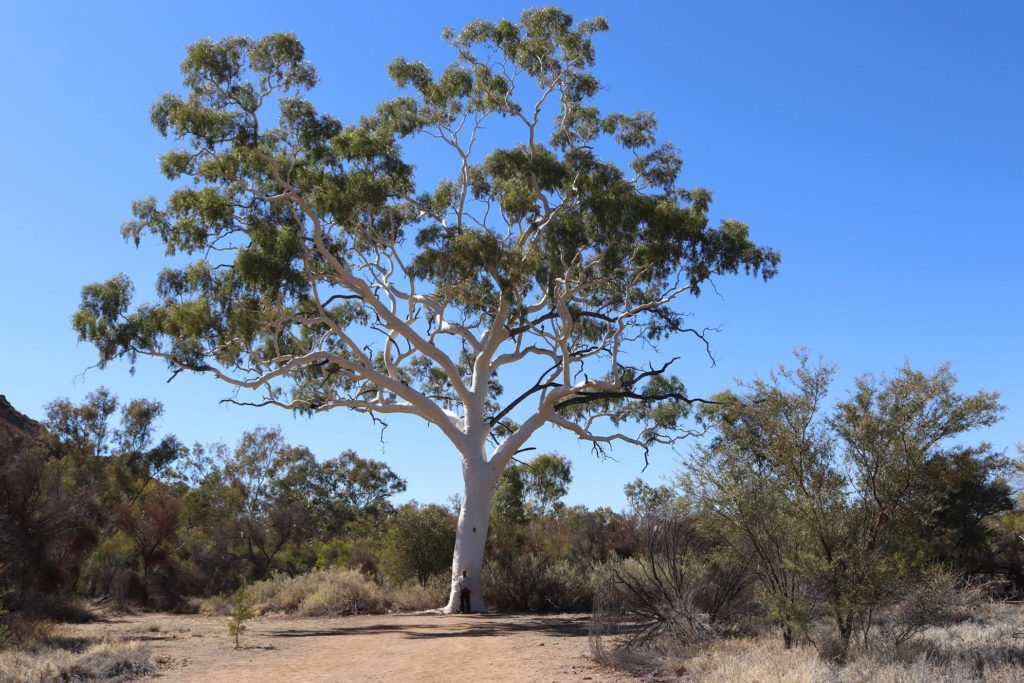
<point x="405" y="647"/>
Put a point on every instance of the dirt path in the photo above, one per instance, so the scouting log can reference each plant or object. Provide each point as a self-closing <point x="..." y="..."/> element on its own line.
<point x="420" y="647"/>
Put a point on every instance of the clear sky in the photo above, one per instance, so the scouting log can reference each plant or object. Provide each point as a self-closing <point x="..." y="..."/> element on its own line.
<point x="878" y="145"/>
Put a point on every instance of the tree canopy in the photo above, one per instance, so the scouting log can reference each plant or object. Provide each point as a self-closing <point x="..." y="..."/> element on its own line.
<point x="322" y="273"/>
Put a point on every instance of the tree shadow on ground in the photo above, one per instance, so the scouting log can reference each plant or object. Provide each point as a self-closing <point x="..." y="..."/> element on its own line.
<point x="465" y="627"/>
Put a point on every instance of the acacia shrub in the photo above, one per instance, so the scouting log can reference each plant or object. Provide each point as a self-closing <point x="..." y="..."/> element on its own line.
<point x="832" y="504"/>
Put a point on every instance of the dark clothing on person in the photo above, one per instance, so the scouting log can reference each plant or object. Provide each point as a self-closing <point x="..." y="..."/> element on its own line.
<point x="462" y="583"/>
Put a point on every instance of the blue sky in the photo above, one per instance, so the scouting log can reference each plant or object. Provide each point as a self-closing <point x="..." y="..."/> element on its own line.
<point x="878" y="146"/>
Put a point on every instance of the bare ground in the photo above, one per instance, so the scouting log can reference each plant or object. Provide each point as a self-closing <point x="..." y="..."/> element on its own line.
<point x="407" y="647"/>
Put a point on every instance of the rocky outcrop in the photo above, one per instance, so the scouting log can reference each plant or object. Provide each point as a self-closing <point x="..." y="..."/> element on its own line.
<point x="17" y="431"/>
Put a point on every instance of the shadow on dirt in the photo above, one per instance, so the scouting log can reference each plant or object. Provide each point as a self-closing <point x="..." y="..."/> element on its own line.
<point x="451" y="627"/>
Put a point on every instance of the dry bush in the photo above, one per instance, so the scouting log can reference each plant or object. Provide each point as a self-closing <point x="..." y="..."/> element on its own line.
<point x="215" y="605"/>
<point x="653" y="601"/>
<point x="106" y="661"/>
<point x="5" y="630"/>
<point x="989" y="644"/>
<point x="742" y="660"/>
<point x="412" y="596"/>
<point x="63" y="607"/>
<point x="989" y="647"/>
<point x="332" y="592"/>
<point x="674" y="595"/>
<point x="937" y="599"/>
<point x="326" y="592"/>
<point x="125" y="590"/>
<point x="29" y="634"/>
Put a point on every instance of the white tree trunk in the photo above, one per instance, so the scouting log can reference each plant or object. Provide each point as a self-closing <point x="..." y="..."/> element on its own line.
<point x="471" y="533"/>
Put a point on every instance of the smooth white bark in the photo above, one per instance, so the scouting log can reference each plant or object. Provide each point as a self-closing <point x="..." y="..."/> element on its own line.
<point x="471" y="533"/>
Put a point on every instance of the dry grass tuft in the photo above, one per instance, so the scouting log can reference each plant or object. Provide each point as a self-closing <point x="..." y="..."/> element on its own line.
<point x="413" y="597"/>
<point x="102" y="661"/>
<point x="755" y="659"/>
<point x="982" y="649"/>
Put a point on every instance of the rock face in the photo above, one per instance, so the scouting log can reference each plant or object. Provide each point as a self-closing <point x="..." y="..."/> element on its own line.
<point x="16" y="430"/>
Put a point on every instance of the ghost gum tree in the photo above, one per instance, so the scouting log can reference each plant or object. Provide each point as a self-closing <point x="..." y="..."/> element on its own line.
<point x="323" y="276"/>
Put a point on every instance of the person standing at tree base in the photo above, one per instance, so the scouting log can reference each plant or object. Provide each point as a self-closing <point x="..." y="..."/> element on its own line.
<point x="463" y="586"/>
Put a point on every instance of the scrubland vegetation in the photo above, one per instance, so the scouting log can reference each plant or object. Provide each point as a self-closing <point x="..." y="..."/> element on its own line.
<point x="802" y="540"/>
<point x="861" y="541"/>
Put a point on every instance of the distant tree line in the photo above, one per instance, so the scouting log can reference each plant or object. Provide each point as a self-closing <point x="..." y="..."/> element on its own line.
<point x="96" y="504"/>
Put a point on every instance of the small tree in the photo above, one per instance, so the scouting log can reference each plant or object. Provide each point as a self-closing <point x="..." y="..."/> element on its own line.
<point x="241" y="612"/>
<point x="832" y="505"/>
<point x="417" y="542"/>
<point x="521" y="292"/>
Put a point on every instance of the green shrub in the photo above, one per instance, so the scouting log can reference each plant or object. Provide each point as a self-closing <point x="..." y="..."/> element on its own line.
<point x="240" y="613"/>
<point x="115" y="554"/>
<point x="418" y="543"/>
<point x="333" y="553"/>
<point x="534" y="583"/>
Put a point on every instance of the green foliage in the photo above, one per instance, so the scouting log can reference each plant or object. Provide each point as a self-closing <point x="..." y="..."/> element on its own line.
<point x="834" y="506"/>
<point x="241" y="612"/>
<point x="113" y="554"/>
<point x="654" y="502"/>
<point x="267" y="503"/>
<point x="418" y="543"/>
<point x="539" y="583"/>
<point x="121" y="461"/>
<point x="508" y="511"/>
<point x="546" y="481"/>
<point x="525" y="490"/>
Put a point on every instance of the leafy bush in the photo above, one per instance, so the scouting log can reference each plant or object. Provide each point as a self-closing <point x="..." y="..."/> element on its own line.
<point x="418" y="543"/>
<point x="114" y="554"/>
<point x="535" y="583"/>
